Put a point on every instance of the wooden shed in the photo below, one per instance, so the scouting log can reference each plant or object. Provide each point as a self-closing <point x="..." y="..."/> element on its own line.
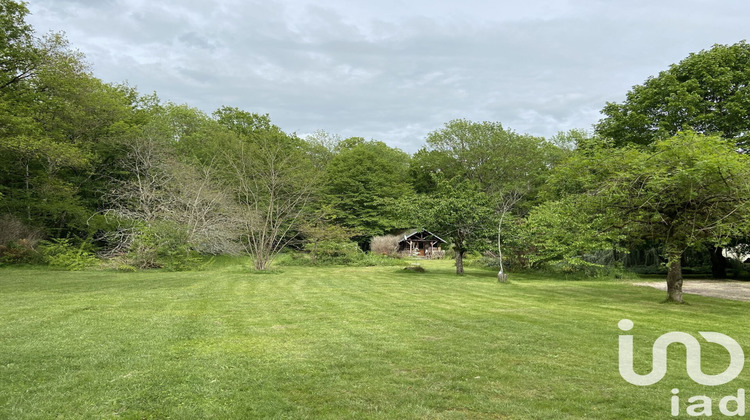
<point x="421" y="243"/>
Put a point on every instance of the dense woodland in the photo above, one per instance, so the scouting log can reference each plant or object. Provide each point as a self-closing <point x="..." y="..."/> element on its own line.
<point x="94" y="173"/>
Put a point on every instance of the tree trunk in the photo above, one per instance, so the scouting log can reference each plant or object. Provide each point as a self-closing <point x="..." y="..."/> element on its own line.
<point x="28" y="192"/>
<point x="459" y="261"/>
<point x="674" y="278"/>
<point x="502" y="277"/>
<point x="718" y="262"/>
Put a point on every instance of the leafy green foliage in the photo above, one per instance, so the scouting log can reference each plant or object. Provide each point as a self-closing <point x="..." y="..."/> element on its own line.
<point x="334" y="252"/>
<point x="359" y="179"/>
<point x="707" y="92"/>
<point x="507" y="166"/>
<point x="461" y="213"/>
<point x="19" y="252"/>
<point x="563" y="232"/>
<point x="19" y="54"/>
<point x="686" y="191"/>
<point x="55" y="119"/>
<point x="62" y="253"/>
<point x="162" y="245"/>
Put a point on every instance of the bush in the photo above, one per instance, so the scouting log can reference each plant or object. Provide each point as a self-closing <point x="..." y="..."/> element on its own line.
<point x="332" y="252"/>
<point x="450" y="253"/>
<point x="63" y="254"/>
<point x="161" y="246"/>
<point x="19" y="252"/>
<point x="487" y="260"/>
<point x="17" y="242"/>
<point x="13" y="230"/>
<point x="372" y="260"/>
<point x="335" y="253"/>
<point x="739" y="270"/>
<point x="385" y="245"/>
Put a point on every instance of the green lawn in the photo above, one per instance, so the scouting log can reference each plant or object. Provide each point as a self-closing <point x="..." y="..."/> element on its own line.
<point x="340" y="343"/>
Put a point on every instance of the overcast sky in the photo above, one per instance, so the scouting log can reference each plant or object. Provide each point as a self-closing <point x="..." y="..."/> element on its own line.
<point x="393" y="70"/>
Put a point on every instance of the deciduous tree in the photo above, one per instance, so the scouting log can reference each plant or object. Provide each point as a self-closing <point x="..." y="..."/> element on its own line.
<point x="708" y="92"/>
<point x="508" y="167"/>
<point x="273" y="179"/>
<point x="461" y="212"/>
<point x="686" y="191"/>
<point x="359" y="179"/>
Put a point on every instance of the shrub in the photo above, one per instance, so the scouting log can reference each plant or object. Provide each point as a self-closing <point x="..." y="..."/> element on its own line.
<point x="336" y="253"/>
<point x="13" y="230"/>
<point x="161" y="246"/>
<point x="19" y="252"/>
<point x="371" y="260"/>
<point x="333" y="252"/>
<point x="450" y="253"/>
<point x="63" y="254"/>
<point x="126" y="268"/>
<point x="182" y="258"/>
<point x="739" y="270"/>
<point x="17" y="241"/>
<point x="487" y="260"/>
<point x="385" y="245"/>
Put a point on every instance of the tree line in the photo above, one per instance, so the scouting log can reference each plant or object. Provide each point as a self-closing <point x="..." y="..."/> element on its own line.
<point x="99" y="168"/>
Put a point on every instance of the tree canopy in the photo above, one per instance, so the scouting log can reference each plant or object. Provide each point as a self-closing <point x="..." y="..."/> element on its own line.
<point x="684" y="191"/>
<point x="461" y="212"/>
<point x="144" y="182"/>
<point x="359" y="179"/>
<point x="708" y="93"/>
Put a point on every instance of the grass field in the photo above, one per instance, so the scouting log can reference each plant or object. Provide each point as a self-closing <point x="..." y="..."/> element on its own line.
<point x="341" y="343"/>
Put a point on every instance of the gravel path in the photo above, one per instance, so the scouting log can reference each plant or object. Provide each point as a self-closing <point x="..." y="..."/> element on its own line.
<point x="733" y="290"/>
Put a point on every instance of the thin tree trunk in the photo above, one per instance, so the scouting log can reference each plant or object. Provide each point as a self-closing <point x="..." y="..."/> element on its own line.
<point x="499" y="250"/>
<point x="674" y="278"/>
<point x="501" y="276"/>
<point x="28" y="192"/>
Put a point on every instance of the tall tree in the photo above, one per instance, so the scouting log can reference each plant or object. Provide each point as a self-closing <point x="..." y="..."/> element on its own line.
<point x="461" y="212"/>
<point x="708" y="92"/>
<point x="273" y="179"/>
<point x="359" y="179"/>
<point x="55" y="119"/>
<point x="685" y="191"/>
<point x="507" y="166"/>
<point x="167" y="193"/>
<point x="20" y="56"/>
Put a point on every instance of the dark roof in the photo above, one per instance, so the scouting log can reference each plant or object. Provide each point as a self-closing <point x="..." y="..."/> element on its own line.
<point x="409" y="233"/>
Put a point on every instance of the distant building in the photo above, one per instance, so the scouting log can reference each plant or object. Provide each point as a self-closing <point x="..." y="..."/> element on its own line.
<point x="421" y="243"/>
<point x="739" y="253"/>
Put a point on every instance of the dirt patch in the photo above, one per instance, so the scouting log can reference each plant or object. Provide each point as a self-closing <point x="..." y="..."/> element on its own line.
<point x="732" y="290"/>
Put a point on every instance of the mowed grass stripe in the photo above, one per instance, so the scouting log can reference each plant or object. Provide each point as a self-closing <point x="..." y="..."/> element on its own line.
<point x="335" y="343"/>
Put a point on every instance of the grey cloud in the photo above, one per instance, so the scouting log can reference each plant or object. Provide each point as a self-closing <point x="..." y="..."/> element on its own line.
<point x="394" y="76"/>
<point x="195" y="40"/>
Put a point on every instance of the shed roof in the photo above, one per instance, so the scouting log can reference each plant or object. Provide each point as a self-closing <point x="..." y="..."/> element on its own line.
<point x="410" y="234"/>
